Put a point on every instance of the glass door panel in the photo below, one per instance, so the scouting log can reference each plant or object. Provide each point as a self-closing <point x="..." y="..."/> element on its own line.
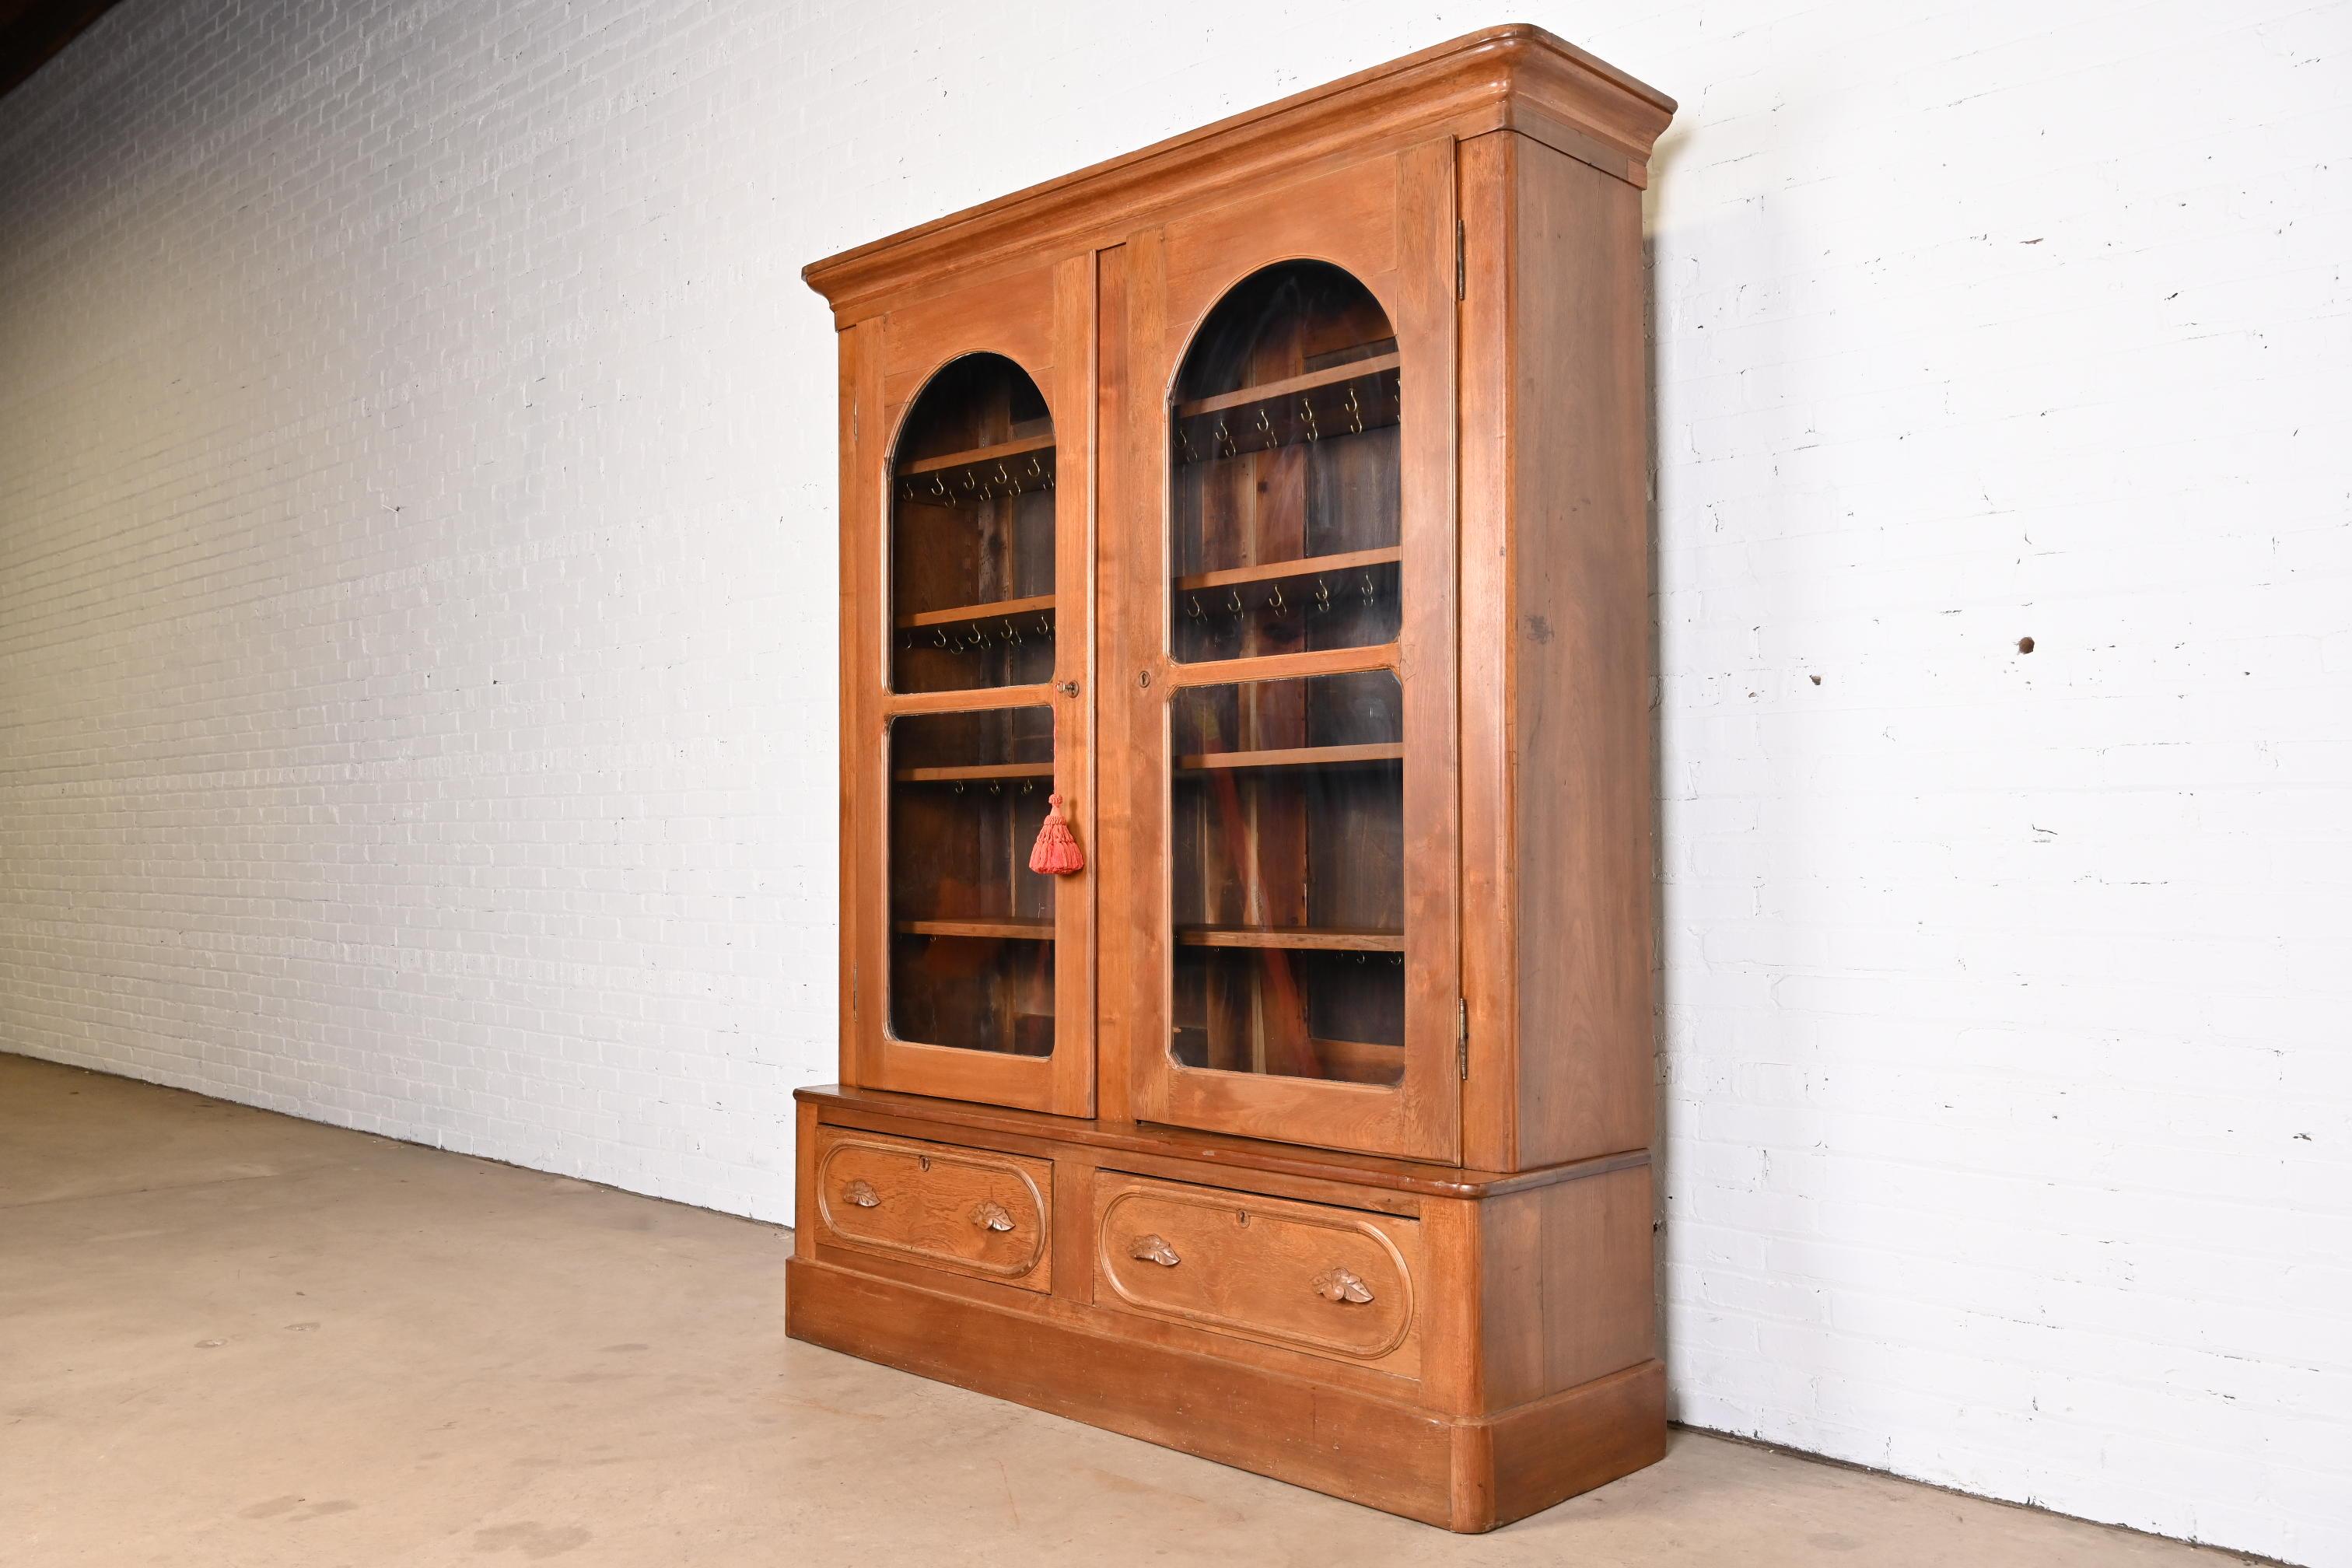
<point x="1288" y="847"/>
<point x="966" y="648"/>
<point x="972" y="927"/>
<point x="972" y="532"/>
<point x="1289" y="641"/>
<point x="1284" y="504"/>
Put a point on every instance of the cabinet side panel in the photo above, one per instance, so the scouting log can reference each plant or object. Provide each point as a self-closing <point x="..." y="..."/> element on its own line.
<point x="1569" y="1292"/>
<point x="1584" y="798"/>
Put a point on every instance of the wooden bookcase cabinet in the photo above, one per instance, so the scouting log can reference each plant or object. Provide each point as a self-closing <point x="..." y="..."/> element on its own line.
<point x="1277" y="496"/>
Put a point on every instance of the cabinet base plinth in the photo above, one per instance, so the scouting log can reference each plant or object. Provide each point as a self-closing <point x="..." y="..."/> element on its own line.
<point x="1466" y="1474"/>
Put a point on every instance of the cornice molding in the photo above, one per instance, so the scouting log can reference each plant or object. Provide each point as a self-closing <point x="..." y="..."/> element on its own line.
<point x="1516" y="77"/>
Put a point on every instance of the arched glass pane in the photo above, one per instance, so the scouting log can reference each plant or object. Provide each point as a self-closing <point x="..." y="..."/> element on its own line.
<point x="972" y="532"/>
<point x="971" y="592"/>
<point x="1285" y="505"/>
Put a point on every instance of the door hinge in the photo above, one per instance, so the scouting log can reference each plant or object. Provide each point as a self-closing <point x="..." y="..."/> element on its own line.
<point x="853" y="992"/>
<point x="1461" y="266"/>
<point x="1462" y="1035"/>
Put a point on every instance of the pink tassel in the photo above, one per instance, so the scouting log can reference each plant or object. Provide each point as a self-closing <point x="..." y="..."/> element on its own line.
<point x="1056" y="853"/>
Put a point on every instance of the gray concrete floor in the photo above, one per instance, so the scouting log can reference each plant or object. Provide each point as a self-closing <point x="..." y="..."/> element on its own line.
<point x="229" y="1337"/>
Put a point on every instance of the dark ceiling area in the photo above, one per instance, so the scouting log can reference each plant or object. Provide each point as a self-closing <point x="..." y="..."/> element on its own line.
<point x="33" y="30"/>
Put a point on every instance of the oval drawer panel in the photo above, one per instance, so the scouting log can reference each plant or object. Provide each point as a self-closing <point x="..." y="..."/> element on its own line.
<point x="1332" y="1281"/>
<point x="971" y="1210"/>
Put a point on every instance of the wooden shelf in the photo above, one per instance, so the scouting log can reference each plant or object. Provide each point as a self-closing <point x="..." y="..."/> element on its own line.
<point x="970" y="771"/>
<point x="1287" y="571"/>
<point x="1338" y="400"/>
<point x="1318" y="939"/>
<point x="1309" y="380"/>
<point x="1001" y="452"/>
<point x="961" y="615"/>
<point x="1293" y="757"/>
<point x="982" y="473"/>
<point x="1359" y="1062"/>
<point x="1006" y="930"/>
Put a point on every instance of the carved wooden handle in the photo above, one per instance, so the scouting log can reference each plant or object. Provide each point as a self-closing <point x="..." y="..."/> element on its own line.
<point x="989" y="1215"/>
<point x="1152" y="1249"/>
<point x="862" y="1194"/>
<point x="1343" y="1285"/>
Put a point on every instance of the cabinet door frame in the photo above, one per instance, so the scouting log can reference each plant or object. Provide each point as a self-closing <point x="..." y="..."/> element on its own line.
<point x="1040" y="317"/>
<point x="1391" y="221"/>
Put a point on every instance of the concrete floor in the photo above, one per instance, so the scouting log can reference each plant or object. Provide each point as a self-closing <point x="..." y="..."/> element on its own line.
<point x="229" y="1337"/>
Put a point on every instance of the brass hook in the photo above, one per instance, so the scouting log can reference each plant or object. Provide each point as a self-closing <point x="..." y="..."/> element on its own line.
<point x="1307" y="411"/>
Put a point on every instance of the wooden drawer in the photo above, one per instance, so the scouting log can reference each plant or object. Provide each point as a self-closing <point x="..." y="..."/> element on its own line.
<point x="971" y="1210"/>
<point x="1330" y="1281"/>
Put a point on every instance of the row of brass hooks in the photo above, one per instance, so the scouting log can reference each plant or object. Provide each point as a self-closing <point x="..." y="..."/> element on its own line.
<point x="1004" y="481"/>
<point x="1224" y="442"/>
<point x="1275" y="605"/>
<point x="979" y="636"/>
<point x="997" y="786"/>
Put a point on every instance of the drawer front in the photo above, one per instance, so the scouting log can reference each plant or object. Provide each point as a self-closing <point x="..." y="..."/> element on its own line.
<point x="1330" y="1281"/>
<point x="967" y="1209"/>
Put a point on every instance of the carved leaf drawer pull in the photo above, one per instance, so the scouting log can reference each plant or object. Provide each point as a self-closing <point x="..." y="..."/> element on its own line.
<point x="861" y="1193"/>
<point x="1341" y="1285"/>
<point x="1153" y="1250"/>
<point x="989" y="1215"/>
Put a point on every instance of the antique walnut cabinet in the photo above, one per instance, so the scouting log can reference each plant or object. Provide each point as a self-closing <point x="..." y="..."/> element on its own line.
<point x="1276" y="497"/>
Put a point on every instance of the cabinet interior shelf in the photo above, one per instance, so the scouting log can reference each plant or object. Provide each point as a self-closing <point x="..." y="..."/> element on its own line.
<point x="1320" y="938"/>
<point x="970" y="771"/>
<point x="968" y="615"/>
<point x="979" y="474"/>
<point x="1293" y="757"/>
<point x="1003" y="930"/>
<point x="1305" y="569"/>
<point x="1338" y="400"/>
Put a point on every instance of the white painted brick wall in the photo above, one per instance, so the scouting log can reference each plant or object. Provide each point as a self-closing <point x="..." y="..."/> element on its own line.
<point x="417" y="671"/>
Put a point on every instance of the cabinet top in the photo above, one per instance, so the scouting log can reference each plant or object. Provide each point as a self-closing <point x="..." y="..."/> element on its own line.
<point x="1517" y="77"/>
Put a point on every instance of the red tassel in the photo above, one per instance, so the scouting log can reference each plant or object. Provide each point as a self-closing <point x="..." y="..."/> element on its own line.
<point x="1056" y="853"/>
